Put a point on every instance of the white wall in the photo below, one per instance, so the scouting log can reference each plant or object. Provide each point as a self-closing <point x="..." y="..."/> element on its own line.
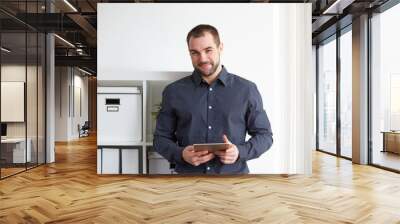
<point x="17" y="73"/>
<point x="269" y="44"/>
<point x="80" y="84"/>
<point x="385" y="63"/>
<point x="388" y="66"/>
<point x="12" y="73"/>
<point x="61" y="103"/>
<point x="68" y="82"/>
<point x="33" y="125"/>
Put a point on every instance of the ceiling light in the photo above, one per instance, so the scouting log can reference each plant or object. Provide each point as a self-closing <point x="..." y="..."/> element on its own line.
<point x="71" y="6"/>
<point x="84" y="71"/>
<point x="5" y="50"/>
<point x="338" y="6"/>
<point x="64" y="40"/>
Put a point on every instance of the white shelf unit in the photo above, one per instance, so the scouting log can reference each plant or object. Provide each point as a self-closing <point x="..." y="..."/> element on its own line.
<point x="120" y="121"/>
<point x="156" y="163"/>
<point x="152" y="88"/>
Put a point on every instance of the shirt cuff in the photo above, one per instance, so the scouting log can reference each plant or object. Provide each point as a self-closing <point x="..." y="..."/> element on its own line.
<point x="243" y="150"/>
<point x="178" y="154"/>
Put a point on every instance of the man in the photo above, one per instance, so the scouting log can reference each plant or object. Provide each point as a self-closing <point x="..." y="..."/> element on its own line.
<point x="210" y="106"/>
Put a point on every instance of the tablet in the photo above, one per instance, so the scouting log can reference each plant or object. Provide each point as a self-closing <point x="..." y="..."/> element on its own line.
<point x="211" y="147"/>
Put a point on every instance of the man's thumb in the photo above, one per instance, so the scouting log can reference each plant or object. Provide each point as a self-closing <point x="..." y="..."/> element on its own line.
<point x="226" y="140"/>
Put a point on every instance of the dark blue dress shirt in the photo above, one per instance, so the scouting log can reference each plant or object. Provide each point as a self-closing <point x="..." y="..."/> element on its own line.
<point x="194" y="112"/>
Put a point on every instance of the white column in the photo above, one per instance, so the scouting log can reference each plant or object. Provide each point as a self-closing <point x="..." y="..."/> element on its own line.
<point x="50" y="99"/>
<point x="360" y="90"/>
<point x="50" y="92"/>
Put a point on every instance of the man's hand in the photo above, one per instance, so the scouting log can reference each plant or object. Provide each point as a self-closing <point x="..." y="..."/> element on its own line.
<point x="196" y="158"/>
<point x="230" y="155"/>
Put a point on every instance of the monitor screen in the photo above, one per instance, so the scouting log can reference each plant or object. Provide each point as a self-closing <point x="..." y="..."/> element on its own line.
<point x="3" y="129"/>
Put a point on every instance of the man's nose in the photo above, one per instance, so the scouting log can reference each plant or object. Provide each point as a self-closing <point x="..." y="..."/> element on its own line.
<point x="203" y="57"/>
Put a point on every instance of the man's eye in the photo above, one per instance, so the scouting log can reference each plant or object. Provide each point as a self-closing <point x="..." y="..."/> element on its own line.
<point x="208" y="51"/>
<point x="194" y="53"/>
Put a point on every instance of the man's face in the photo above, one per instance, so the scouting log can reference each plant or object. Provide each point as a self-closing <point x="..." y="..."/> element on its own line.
<point x="205" y="54"/>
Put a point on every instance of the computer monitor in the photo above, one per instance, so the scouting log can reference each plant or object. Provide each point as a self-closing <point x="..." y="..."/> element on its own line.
<point x="3" y="129"/>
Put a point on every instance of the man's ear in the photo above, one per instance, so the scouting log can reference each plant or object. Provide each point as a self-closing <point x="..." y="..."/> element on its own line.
<point x="221" y="47"/>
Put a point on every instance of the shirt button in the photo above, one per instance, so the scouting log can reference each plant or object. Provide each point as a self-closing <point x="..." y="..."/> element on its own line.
<point x="210" y="89"/>
<point x="208" y="168"/>
<point x="209" y="127"/>
<point x="210" y="107"/>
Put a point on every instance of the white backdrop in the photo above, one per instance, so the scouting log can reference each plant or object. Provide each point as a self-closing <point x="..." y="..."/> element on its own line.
<point x="269" y="44"/>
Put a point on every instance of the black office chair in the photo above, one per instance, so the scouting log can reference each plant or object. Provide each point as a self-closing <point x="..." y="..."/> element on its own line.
<point x="84" y="130"/>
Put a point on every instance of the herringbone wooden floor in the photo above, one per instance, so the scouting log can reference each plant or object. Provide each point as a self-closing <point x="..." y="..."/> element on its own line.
<point x="70" y="191"/>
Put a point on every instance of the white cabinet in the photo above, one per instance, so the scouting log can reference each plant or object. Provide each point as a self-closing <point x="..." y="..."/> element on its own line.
<point x="130" y="161"/>
<point x="119" y="159"/>
<point x="126" y="116"/>
<point x="20" y="155"/>
<point x="119" y="110"/>
<point x="17" y="146"/>
<point x="109" y="159"/>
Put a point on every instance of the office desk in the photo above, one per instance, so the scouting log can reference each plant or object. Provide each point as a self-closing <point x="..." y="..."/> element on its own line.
<point x="15" y="148"/>
<point x="391" y="141"/>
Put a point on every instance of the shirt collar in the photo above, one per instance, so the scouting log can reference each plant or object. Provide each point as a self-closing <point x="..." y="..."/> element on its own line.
<point x="222" y="77"/>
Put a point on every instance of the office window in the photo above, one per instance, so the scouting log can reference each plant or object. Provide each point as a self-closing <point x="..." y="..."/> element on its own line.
<point x="346" y="94"/>
<point x="22" y="91"/>
<point x="327" y="96"/>
<point x="13" y="87"/>
<point x="385" y="89"/>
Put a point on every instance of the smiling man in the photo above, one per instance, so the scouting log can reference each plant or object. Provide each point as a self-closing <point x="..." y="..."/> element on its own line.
<point x="211" y="106"/>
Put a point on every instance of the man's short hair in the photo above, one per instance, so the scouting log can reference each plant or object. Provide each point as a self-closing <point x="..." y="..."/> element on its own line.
<point x="199" y="30"/>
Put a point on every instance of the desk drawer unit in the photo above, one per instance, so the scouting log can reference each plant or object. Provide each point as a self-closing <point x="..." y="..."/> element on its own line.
<point x="391" y="142"/>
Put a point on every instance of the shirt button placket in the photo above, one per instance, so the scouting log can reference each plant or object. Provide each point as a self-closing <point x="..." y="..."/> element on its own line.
<point x="210" y="89"/>
<point x="210" y="100"/>
<point x="208" y="169"/>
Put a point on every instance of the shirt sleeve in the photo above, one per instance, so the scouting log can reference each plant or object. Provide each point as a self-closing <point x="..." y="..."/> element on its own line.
<point x="258" y="127"/>
<point x="165" y="142"/>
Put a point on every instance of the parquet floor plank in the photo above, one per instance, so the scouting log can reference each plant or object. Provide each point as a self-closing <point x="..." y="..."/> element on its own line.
<point x="70" y="191"/>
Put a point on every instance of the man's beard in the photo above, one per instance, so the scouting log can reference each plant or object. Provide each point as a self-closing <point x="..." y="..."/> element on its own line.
<point x="212" y="70"/>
